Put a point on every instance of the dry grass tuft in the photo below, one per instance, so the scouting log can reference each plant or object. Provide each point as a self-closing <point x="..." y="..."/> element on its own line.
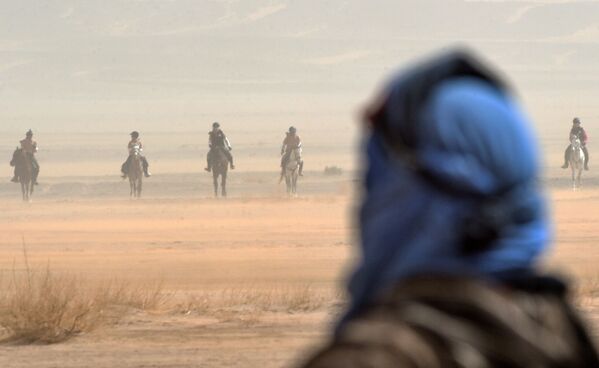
<point x="43" y="307"/>
<point x="254" y="301"/>
<point x="146" y="296"/>
<point x="587" y="290"/>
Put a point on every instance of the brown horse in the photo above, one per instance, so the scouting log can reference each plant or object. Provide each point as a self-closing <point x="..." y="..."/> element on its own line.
<point x="135" y="172"/>
<point x="220" y="167"/>
<point x="24" y="170"/>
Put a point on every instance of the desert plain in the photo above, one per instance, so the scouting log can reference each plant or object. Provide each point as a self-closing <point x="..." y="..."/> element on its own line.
<point x="254" y="280"/>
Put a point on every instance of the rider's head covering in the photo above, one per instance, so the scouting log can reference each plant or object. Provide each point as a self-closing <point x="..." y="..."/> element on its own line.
<point x="576" y="121"/>
<point x="292" y="129"/>
<point x="215" y="125"/>
<point x="134" y="134"/>
<point x="29" y="133"/>
<point x="451" y="181"/>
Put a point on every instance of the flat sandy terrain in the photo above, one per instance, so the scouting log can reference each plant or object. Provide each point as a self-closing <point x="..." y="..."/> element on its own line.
<point x="198" y="247"/>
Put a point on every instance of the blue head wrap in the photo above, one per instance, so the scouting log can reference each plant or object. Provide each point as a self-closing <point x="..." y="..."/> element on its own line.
<point x="461" y="164"/>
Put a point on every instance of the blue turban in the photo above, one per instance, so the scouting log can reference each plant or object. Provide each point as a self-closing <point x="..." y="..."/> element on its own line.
<point x="453" y="150"/>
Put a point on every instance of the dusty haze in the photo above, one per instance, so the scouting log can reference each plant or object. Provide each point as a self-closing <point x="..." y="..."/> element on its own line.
<point x="178" y="65"/>
<point x="256" y="280"/>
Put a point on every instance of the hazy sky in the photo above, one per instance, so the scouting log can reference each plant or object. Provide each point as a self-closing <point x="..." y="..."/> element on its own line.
<point x="110" y="65"/>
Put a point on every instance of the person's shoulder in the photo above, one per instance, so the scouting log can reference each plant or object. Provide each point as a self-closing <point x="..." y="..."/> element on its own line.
<point x="361" y="356"/>
<point x="377" y="336"/>
<point x="405" y="322"/>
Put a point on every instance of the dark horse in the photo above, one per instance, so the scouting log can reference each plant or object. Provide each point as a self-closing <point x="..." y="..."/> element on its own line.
<point x="24" y="170"/>
<point x="220" y="167"/>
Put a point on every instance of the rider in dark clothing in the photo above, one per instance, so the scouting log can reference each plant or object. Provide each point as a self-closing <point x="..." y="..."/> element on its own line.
<point x="135" y="141"/>
<point x="29" y="146"/>
<point x="578" y="131"/>
<point x="217" y="140"/>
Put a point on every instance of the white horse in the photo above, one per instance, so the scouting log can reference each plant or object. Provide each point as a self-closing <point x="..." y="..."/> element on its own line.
<point x="135" y="172"/>
<point x="576" y="160"/>
<point x="291" y="170"/>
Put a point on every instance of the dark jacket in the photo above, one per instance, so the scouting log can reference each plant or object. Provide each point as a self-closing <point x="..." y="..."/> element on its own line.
<point x="443" y="322"/>
<point x="580" y="133"/>
<point x="218" y="139"/>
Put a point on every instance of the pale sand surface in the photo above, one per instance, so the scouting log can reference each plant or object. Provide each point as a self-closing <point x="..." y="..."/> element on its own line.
<point x="258" y="239"/>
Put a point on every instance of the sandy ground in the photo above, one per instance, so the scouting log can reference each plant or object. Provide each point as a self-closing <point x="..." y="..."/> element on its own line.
<point x="200" y="245"/>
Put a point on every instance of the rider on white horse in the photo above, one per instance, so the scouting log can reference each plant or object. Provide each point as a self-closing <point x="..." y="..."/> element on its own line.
<point x="29" y="146"/>
<point x="217" y="140"/>
<point x="291" y="142"/>
<point x="579" y="132"/>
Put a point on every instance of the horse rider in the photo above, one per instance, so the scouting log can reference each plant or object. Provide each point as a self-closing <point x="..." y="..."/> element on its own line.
<point x="217" y="140"/>
<point x="135" y="141"/>
<point x="292" y="141"/>
<point x="578" y="131"/>
<point x="29" y="146"/>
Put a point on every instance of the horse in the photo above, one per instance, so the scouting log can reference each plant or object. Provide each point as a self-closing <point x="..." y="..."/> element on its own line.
<point x="135" y="172"/>
<point x="24" y="170"/>
<point x="576" y="161"/>
<point x="220" y="167"/>
<point x="292" y="171"/>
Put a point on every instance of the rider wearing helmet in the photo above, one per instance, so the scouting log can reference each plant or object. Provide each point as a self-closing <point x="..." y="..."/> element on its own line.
<point x="217" y="140"/>
<point x="29" y="146"/>
<point x="135" y="141"/>
<point x="578" y="131"/>
<point x="291" y="142"/>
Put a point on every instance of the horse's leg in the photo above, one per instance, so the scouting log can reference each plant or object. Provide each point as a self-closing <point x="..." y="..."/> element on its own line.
<point x="295" y="175"/>
<point x="139" y="187"/>
<point x="30" y="191"/>
<point x="288" y="182"/>
<point x="223" y="183"/>
<point x="215" y="180"/>
<point x="26" y="189"/>
<point x="23" y="191"/>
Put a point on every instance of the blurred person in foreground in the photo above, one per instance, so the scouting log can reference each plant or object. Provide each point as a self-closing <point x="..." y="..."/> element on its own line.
<point x="452" y="225"/>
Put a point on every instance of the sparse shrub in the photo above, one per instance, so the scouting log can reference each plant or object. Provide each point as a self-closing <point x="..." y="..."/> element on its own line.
<point x="146" y="296"/>
<point x="587" y="290"/>
<point x="250" y="301"/>
<point x="333" y="170"/>
<point x="43" y="307"/>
